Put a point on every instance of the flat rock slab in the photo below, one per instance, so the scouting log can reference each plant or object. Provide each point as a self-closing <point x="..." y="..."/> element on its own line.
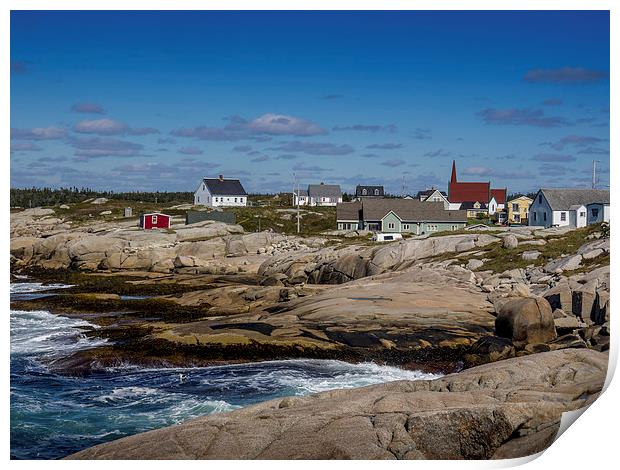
<point x="506" y="409"/>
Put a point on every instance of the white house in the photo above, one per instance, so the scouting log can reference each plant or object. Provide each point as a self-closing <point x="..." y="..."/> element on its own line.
<point x="220" y="192"/>
<point x="434" y="195"/>
<point x="569" y="207"/>
<point x="318" y="195"/>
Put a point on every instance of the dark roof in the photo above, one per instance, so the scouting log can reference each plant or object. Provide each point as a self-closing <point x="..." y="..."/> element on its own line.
<point x="301" y="192"/>
<point x="499" y="195"/>
<point x="563" y="199"/>
<point x="224" y="187"/>
<point x="410" y="210"/>
<point x="370" y="191"/>
<point x="470" y="205"/>
<point x="428" y="192"/>
<point x="324" y="190"/>
<point x="348" y="210"/>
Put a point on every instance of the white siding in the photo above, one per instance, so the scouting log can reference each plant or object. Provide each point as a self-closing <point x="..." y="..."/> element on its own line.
<point x="203" y="197"/>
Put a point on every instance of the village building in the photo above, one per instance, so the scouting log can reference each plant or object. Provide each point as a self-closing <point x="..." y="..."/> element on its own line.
<point x="220" y="192"/>
<point x="154" y="220"/>
<point x="368" y="191"/>
<point x="518" y="210"/>
<point x="398" y="216"/>
<point x="434" y="195"/>
<point x="569" y="207"/>
<point x="470" y="193"/>
<point x="318" y="195"/>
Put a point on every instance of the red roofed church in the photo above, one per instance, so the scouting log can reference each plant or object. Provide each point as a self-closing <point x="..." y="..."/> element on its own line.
<point x="468" y="193"/>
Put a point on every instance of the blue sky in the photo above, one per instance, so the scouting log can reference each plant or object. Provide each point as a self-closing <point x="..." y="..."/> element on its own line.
<point x="156" y="100"/>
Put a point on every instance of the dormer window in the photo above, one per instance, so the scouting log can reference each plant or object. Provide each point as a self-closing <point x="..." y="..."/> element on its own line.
<point x="364" y="192"/>
<point x="376" y="192"/>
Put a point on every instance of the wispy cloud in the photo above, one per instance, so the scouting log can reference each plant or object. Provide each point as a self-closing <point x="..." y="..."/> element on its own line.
<point x="310" y="168"/>
<point x="191" y="150"/>
<point x="260" y="128"/>
<point x="110" y="127"/>
<point x="39" y="133"/>
<point x="314" y="148"/>
<point x="574" y="141"/>
<point x="437" y="153"/>
<point x="521" y="117"/>
<point x="24" y="147"/>
<point x="287" y="156"/>
<point x="552" y="157"/>
<point x="388" y="146"/>
<point x="88" y="108"/>
<point x="393" y="162"/>
<point x="262" y="158"/>
<point x="421" y="134"/>
<point x="565" y="75"/>
<point x="94" y="147"/>
<point x="493" y="172"/>
<point x="242" y="148"/>
<point x="367" y="128"/>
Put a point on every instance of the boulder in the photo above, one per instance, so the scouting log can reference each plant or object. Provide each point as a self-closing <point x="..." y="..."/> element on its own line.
<point x="530" y="255"/>
<point x="474" y="264"/>
<point x="510" y="241"/>
<point x="100" y="200"/>
<point x="593" y="254"/>
<point x="525" y="321"/>
<point x="105" y="212"/>
<point x="567" y="263"/>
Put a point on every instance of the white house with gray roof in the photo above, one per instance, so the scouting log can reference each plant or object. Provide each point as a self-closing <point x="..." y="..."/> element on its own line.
<point x="318" y="195"/>
<point x="220" y="192"/>
<point x="569" y="207"/>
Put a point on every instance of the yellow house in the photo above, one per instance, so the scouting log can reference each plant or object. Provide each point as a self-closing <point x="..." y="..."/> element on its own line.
<point x="518" y="210"/>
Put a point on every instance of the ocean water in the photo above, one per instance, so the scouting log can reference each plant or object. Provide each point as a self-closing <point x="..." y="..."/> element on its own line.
<point x="54" y="415"/>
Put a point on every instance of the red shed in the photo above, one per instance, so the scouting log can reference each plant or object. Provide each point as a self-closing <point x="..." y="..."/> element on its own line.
<point x="153" y="220"/>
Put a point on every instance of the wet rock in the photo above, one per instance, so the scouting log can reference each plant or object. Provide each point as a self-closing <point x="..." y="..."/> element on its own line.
<point x="525" y="321"/>
<point x="488" y="349"/>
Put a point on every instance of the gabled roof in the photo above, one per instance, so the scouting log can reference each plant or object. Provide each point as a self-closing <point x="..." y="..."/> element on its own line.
<point x="348" y="210"/>
<point x="499" y="195"/>
<point x="324" y="190"/>
<point x="224" y="187"/>
<point x="370" y="191"/>
<point x="428" y="192"/>
<point x="301" y="192"/>
<point x="563" y="199"/>
<point x="521" y="197"/>
<point x="462" y="192"/>
<point x="410" y="210"/>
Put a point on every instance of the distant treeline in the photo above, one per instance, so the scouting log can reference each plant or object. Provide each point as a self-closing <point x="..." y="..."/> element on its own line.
<point x="33" y="197"/>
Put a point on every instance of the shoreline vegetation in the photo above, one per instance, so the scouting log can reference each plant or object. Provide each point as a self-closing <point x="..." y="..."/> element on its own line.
<point x="211" y="293"/>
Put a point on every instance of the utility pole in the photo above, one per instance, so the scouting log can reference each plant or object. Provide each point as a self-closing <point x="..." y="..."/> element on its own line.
<point x="298" y="220"/>
<point x="594" y="174"/>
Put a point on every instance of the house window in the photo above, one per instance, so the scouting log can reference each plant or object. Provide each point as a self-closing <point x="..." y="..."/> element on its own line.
<point x="405" y="226"/>
<point x="582" y="214"/>
<point x="390" y="224"/>
<point x="545" y="216"/>
<point x="540" y="199"/>
<point x="517" y="217"/>
<point x="534" y="216"/>
<point x="364" y="192"/>
<point x="204" y="187"/>
<point x="594" y="212"/>
<point x="376" y="192"/>
<point x="235" y="199"/>
<point x="515" y="207"/>
<point x="153" y="219"/>
<point x="563" y="216"/>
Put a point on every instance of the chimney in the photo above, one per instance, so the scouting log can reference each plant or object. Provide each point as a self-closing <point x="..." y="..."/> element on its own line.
<point x="221" y="177"/>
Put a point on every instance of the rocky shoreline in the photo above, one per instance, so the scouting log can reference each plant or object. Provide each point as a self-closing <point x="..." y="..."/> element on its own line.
<point x="211" y="294"/>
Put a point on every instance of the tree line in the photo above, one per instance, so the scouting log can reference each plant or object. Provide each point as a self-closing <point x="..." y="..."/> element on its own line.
<point x="33" y="197"/>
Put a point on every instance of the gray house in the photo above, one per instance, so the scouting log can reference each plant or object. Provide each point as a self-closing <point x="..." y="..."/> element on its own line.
<point x="569" y="207"/>
<point x="398" y="216"/>
<point x="318" y="195"/>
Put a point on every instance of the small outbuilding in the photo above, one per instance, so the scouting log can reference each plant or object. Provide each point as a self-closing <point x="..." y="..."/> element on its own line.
<point x="152" y="220"/>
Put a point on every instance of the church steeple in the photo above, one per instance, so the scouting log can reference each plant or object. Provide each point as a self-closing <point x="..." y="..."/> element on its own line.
<point x="453" y="178"/>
